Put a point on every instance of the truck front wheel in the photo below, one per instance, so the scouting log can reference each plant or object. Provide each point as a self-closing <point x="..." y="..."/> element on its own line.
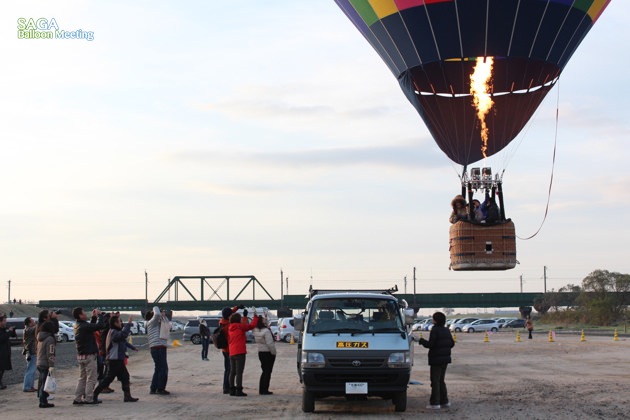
<point x="308" y="401"/>
<point x="400" y="401"/>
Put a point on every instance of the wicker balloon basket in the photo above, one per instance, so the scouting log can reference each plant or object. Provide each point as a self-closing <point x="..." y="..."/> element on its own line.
<point x="482" y="247"/>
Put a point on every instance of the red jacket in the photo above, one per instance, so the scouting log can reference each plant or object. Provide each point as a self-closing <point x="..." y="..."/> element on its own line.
<point x="225" y="323"/>
<point x="236" y="336"/>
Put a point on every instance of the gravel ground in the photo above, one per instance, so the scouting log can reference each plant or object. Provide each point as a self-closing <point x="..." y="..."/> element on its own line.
<point x="66" y="358"/>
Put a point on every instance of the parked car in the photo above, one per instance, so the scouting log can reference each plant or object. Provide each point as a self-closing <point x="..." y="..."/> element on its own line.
<point x="481" y="325"/>
<point x="66" y="331"/>
<point x="451" y="321"/>
<point x="177" y="326"/>
<point x="18" y="324"/>
<point x="503" y="321"/>
<point x="515" y="323"/>
<point x="191" y="329"/>
<point x="419" y="326"/>
<point x="273" y="326"/>
<point x="285" y="330"/>
<point x="457" y="326"/>
<point x="137" y="328"/>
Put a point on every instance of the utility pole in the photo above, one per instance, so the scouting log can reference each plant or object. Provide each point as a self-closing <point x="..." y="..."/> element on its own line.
<point x="287" y="285"/>
<point x="414" y="285"/>
<point x="9" y="301"/>
<point x="521" y="283"/>
<point x="405" y="284"/>
<point x="146" y="288"/>
<point x="281" y="288"/>
<point x="545" y="278"/>
<point x="168" y="283"/>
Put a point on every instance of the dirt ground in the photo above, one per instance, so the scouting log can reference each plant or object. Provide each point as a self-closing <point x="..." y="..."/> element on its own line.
<point x="533" y="379"/>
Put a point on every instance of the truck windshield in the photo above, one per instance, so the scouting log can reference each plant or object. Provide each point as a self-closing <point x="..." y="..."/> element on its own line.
<point x="354" y="315"/>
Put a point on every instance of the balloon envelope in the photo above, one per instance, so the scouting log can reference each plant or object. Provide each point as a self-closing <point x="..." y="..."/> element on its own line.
<point x="431" y="46"/>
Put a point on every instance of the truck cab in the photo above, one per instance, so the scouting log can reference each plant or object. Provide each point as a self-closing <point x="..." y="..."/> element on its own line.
<point x="354" y="344"/>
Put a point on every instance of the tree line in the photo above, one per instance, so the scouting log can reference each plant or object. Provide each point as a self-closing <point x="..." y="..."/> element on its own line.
<point x="601" y="299"/>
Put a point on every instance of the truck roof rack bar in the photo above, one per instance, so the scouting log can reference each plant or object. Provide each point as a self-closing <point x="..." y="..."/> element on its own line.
<point x="313" y="292"/>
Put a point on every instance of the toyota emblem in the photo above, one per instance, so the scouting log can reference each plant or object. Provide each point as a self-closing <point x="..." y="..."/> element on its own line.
<point x="356" y="363"/>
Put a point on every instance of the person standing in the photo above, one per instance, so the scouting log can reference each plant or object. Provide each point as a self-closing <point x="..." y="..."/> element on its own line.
<point x="440" y="343"/>
<point x="204" y="332"/>
<point x="116" y="346"/>
<point x="29" y="342"/>
<point x="238" y="350"/>
<point x="5" y="347"/>
<point x="158" y="330"/>
<point x="529" y="324"/>
<point x="266" y="355"/>
<point x="224" y="324"/>
<point x="87" y="352"/>
<point x="46" y="345"/>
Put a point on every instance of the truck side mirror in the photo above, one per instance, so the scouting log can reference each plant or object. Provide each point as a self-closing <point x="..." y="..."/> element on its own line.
<point x="298" y="323"/>
<point x="409" y="316"/>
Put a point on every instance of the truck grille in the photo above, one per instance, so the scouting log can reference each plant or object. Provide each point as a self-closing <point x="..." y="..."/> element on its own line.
<point x="351" y="362"/>
<point x="356" y="377"/>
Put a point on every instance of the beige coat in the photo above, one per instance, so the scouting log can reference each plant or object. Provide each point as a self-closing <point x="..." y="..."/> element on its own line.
<point x="264" y="340"/>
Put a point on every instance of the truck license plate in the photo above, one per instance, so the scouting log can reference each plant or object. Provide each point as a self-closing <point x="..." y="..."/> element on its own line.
<point x="356" y="388"/>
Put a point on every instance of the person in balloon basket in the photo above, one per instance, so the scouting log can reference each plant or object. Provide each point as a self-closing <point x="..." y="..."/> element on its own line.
<point x="440" y="343"/>
<point x="238" y="350"/>
<point x="478" y="214"/>
<point x="491" y="210"/>
<point x="460" y="210"/>
<point x="116" y="347"/>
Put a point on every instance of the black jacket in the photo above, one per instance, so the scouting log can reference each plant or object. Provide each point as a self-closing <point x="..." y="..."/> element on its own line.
<point x="84" y="336"/>
<point x="439" y="344"/>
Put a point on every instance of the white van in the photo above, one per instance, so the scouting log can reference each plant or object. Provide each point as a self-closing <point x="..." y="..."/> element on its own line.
<point x="354" y="344"/>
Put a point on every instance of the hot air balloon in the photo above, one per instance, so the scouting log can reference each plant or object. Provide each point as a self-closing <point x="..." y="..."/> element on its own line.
<point x="433" y="47"/>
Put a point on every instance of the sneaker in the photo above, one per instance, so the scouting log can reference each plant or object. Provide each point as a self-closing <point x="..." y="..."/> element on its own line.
<point x="30" y="390"/>
<point x="163" y="392"/>
<point x="433" y="406"/>
<point x="47" y="405"/>
<point x="446" y="405"/>
<point x="76" y="402"/>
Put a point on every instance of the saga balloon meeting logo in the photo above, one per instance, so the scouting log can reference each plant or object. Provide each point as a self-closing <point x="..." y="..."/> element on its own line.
<point x="42" y="28"/>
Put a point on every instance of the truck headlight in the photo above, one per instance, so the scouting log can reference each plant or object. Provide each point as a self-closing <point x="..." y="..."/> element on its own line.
<point x="399" y="360"/>
<point x="313" y="360"/>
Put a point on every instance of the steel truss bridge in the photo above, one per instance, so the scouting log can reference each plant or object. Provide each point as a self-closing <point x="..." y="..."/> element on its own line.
<point x="212" y="293"/>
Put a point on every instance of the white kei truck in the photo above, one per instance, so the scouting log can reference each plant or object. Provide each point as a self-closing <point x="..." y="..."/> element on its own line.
<point x="355" y="344"/>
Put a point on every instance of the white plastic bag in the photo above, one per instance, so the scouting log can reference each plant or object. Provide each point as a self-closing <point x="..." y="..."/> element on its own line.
<point x="50" y="386"/>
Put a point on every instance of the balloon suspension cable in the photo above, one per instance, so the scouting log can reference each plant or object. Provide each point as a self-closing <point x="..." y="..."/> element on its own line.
<point x="553" y="165"/>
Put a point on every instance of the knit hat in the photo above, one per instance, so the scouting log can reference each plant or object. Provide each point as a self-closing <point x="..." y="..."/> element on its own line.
<point x="226" y="312"/>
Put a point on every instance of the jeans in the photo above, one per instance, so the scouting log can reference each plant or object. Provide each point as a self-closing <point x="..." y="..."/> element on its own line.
<point x="266" y="363"/>
<point x="160" y="375"/>
<point x="237" y="366"/>
<point x="29" y="374"/>
<point x="43" y="396"/>
<point x="205" y="343"/>
<point x="87" y="378"/>
<point x="438" y="386"/>
<point x="226" y="371"/>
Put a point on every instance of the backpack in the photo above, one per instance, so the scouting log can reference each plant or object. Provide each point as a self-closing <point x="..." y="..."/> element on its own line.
<point x="219" y="338"/>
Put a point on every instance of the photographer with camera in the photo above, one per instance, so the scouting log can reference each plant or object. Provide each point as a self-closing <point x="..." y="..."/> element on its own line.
<point x="5" y="347"/>
<point x="29" y="351"/>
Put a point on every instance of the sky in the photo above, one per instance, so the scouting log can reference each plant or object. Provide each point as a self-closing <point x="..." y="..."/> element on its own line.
<point x="253" y="138"/>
